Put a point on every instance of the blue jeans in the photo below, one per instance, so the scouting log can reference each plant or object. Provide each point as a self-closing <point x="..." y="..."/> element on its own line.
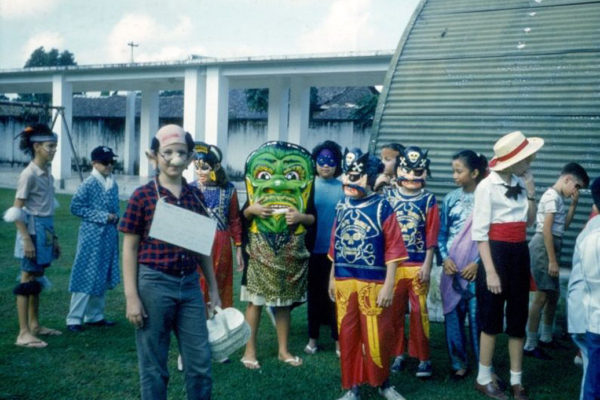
<point x="591" y="389"/>
<point x="172" y="303"/>
<point x="456" y="339"/>
<point x="579" y="340"/>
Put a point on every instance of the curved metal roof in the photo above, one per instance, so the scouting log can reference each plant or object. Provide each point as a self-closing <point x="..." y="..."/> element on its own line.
<point x="468" y="71"/>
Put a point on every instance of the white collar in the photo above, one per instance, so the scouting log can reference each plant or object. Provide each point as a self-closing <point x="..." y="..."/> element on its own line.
<point x="497" y="179"/>
<point x="106" y="182"/>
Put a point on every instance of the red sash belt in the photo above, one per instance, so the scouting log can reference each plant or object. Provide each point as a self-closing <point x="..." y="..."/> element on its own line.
<point x="512" y="232"/>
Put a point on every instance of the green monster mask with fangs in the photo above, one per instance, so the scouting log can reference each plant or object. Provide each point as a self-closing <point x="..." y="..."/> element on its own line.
<point x="279" y="175"/>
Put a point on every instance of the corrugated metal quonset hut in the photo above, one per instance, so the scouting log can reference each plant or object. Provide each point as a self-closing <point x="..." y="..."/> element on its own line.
<point x="468" y="71"/>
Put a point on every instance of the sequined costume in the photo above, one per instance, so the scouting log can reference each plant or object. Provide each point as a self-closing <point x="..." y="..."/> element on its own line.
<point x="223" y="206"/>
<point x="419" y="220"/>
<point x="365" y="237"/>
<point x="279" y="175"/>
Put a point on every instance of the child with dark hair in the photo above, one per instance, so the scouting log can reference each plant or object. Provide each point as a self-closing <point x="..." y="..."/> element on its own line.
<point x="161" y="280"/>
<point x="504" y="206"/>
<point x="96" y="265"/>
<point x="583" y="307"/>
<point x="544" y="248"/>
<point x="366" y="248"/>
<point x="460" y="258"/>
<point x="221" y="200"/>
<point x="418" y="215"/>
<point x="389" y="156"/>
<point x="328" y="191"/>
<point x="36" y="244"/>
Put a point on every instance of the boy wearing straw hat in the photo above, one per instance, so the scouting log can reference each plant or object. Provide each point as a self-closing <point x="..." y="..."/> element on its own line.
<point x="504" y="206"/>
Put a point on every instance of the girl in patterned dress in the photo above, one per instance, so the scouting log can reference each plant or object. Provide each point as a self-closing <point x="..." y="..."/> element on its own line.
<point x="221" y="199"/>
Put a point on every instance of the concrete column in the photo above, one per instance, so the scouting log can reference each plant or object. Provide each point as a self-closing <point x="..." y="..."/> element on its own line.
<point x="194" y="108"/>
<point x="279" y="98"/>
<point x="129" y="143"/>
<point x="194" y="103"/>
<point x="217" y="109"/>
<point x="62" y="96"/>
<point x="148" y="128"/>
<point x="299" y="110"/>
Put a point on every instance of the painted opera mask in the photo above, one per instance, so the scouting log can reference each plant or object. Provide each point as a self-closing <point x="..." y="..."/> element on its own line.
<point x="279" y="175"/>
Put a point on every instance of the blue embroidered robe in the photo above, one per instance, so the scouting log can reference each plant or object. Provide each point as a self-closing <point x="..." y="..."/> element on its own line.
<point x="96" y="265"/>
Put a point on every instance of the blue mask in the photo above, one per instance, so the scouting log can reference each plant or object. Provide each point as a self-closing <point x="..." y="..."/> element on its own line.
<point x="326" y="158"/>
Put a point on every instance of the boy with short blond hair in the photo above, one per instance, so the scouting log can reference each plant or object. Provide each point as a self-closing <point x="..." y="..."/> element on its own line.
<point x="551" y="221"/>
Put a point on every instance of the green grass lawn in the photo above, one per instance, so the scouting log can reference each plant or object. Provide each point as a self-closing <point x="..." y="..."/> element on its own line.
<point x="101" y="363"/>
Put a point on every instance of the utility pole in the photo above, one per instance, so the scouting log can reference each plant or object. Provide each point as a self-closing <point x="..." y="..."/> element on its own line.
<point x="132" y="45"/>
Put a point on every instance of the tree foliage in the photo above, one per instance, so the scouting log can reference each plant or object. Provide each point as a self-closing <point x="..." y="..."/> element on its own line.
<point x="365" y="112"/>
<point x="42" y="58"/>
<point x="257" y="99"/>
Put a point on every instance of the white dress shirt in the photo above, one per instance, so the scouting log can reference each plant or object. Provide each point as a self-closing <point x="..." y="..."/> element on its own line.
<point x="576" y="314"/>
<point x="589" y="250"/>
<point x="493" y="207"/>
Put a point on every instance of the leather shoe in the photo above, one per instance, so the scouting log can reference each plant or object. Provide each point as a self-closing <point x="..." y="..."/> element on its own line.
<point x="537" y="353"/>
<point x="102" y="322"/>
<point x="75" y="328"/>
<point x="499" y="382"/>
<point x="519" y="393"/>
<point x="491" y="390"/>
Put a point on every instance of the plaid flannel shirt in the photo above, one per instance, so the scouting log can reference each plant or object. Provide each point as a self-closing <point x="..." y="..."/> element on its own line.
<point x="137" y="219"/>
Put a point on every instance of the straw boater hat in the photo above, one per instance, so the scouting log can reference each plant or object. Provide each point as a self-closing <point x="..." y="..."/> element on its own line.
<point x="512" y="148"/>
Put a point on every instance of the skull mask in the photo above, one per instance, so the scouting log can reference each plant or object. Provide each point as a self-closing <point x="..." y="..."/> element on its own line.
<point x="359" y="172"/>
<point x="412" y="168"/>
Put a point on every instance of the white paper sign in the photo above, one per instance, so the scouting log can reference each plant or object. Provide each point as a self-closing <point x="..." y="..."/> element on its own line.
<point x="183" y="228"/>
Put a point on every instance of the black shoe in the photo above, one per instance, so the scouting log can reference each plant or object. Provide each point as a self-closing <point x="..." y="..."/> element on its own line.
<point x="75" y="328"/>
<point x="102" y="322"/>
<point x="537" y="353"/>
<point x="553" y="344"/>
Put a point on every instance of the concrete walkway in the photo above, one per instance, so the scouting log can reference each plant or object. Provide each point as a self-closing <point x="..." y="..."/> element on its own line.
<point x="127" y="183"/>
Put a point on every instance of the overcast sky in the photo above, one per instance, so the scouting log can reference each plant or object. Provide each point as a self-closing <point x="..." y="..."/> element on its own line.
<point x="97" y="31"/>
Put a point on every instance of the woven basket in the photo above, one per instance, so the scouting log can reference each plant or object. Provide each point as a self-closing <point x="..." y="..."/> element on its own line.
<point x="227" y="332"/>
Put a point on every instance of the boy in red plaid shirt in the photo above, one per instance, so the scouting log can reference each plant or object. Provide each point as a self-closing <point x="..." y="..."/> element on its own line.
<point x="160" y="279"/>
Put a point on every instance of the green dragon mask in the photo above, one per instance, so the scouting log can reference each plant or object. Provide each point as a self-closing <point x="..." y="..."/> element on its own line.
<point x="279" y="175"/>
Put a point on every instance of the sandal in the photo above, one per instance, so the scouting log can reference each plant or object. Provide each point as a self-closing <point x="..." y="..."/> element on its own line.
<point x="311" y="350"/>
<point x="34" y="344"/>
<point x="292" y="361"/>
<point x="43" y="331"/>
<point x="249" y="364"/>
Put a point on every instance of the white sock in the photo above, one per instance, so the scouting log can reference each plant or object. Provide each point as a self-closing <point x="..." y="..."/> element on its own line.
<point x="532" y="341"/>
<point x="484" y="375"/>
<point x="515" y="377"/>
<point x="546" y="333"/>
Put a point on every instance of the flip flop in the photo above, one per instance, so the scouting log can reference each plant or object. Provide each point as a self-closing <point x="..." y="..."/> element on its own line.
<point x="34" y="344"/>
<point x="43" y="331"/>
<point x="249" y="364"/>
<point x="293" y="361"/>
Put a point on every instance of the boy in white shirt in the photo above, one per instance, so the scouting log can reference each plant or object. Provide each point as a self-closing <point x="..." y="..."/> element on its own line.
<point x="544" y="248"/>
